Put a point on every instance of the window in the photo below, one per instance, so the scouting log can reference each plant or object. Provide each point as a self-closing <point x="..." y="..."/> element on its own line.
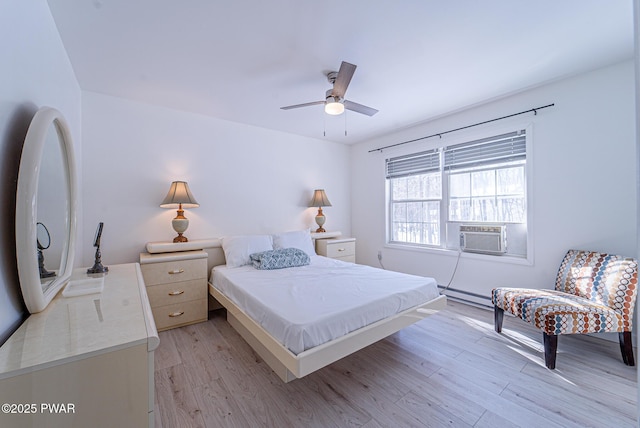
<point x="493" y="195"/>
<point x="415" y="198"/>
<point x="482" y="181"/>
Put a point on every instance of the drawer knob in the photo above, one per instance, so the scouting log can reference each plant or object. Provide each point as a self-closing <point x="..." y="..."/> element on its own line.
<point x="176" y="293"/>
<point x="176" y="314"/>
<point x="341" y="249"/>
<point x="176" y="271"/>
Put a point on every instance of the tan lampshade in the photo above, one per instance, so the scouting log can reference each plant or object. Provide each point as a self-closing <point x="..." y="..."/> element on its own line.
<point x="319" y="199"/>
<point x="179" y="193"/>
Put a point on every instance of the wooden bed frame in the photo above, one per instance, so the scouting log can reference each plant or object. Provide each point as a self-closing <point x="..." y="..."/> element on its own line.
<point x="289" y="366"/>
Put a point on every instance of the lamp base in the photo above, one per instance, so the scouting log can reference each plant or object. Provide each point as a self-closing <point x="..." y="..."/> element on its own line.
<point x="180" y="238"/>
<point x="180" y="225"/>
<point x="320" y="219"/>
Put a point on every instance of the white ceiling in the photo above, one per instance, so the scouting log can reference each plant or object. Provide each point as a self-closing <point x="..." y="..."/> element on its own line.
<point x="417" y="59"/>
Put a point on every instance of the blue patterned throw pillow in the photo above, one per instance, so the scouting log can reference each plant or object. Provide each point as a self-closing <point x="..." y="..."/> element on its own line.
<point x="279" y="259"/>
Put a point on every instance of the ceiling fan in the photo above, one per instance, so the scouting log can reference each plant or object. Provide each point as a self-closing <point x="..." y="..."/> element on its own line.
<point x="334" y="102"/>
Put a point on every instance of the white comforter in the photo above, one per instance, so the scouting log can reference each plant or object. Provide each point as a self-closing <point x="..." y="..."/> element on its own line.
<point x="306" y="306"/>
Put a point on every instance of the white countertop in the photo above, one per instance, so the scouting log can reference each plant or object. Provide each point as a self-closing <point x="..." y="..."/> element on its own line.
<point x="200" y="244"/>
<point x="146" y="258"/>
<point x="73" y="328"/>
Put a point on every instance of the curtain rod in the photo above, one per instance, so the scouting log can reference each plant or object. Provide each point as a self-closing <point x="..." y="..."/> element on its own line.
<point x="440" y="134"/>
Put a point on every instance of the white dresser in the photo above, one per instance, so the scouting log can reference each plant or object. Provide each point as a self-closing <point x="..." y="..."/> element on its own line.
<point x="84" y="360"/>
<point x="176" y="286"/>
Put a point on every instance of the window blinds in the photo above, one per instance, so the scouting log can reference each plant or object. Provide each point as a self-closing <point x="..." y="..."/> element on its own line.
<point x="501" y="148"/>
<point x="416" y="163"/>
<point x="497" y="149"/>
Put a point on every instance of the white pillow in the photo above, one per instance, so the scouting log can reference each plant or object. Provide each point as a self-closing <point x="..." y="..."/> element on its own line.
<point x="237" y="249"/>
<point x="300" y="239"/>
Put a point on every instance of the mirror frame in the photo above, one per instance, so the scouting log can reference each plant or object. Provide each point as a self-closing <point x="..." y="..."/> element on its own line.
<point x="27" y="208"/>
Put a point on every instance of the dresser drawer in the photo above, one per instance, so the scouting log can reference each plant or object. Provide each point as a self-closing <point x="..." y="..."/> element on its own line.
<point x="177" y="292"/>
<point x="175" y="315"/>
<point x="174" y="271"/>
<point x="350" y="259"/>
<point x="336" y="249"/>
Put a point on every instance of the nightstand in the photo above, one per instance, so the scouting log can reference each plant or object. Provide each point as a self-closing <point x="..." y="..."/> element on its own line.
<point x="177" y="287"/>
<point x="341" y="249"/>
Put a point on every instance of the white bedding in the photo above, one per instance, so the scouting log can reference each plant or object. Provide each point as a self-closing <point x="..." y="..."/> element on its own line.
<point x="306" y="306"/>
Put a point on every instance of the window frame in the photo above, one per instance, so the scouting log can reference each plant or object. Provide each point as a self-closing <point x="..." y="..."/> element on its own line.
<point x="390" y="213"/>
<point x="448" y="239"/>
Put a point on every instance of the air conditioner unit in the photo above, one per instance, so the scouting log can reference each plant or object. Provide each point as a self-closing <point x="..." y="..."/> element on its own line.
<point x="483" y="239"/>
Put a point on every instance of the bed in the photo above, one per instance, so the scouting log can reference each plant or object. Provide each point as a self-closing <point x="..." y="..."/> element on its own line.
<point x="303" y="317"/>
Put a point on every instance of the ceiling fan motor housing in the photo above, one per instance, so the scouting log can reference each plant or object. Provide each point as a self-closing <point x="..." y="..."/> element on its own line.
<point x="330" y="98"/>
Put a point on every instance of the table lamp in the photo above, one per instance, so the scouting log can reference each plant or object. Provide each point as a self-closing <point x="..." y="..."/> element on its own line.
<point x="320" y="200"/>
<point x="179" y="196"/>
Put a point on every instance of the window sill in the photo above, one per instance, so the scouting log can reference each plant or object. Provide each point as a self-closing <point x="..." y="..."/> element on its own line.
<point x="518" y="260"/>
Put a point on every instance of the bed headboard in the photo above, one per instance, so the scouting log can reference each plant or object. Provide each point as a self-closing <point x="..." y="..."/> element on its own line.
<point x="213" y="247"/>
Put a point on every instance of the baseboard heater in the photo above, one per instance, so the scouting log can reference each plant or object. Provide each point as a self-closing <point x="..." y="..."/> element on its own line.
<point x="484" y="239"/>
<point x="467" y="297"/>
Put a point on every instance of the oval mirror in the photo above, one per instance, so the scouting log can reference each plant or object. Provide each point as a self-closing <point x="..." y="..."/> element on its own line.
<point x="45" y="209"/>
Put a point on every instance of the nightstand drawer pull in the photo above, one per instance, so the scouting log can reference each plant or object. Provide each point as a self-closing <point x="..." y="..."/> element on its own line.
<point x="176" y="314"/>
<point x="176" y="271"/>
<point x="342" y="249"/>
<point x="176" y="293"/>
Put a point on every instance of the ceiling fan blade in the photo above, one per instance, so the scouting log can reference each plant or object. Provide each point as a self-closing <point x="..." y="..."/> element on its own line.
<point x="343" y="78"/>
<point x="359" y="108"/>
<point x="302" y="105"/>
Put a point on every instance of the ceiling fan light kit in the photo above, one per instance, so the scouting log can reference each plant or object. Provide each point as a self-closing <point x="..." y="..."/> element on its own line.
<point x="334" y="103"/>
<point x="333" y="106"/>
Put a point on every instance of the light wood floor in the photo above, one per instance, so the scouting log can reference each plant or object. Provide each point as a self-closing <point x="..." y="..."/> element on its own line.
<point x="450" y="369"/>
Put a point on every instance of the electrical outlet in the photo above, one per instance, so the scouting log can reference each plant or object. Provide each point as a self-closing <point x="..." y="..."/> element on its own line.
<point x="379" y="254"/>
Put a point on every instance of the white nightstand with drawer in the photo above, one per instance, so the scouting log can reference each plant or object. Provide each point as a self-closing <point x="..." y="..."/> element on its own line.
<point x="341" y="249"/>
<point x="177" y="287"/>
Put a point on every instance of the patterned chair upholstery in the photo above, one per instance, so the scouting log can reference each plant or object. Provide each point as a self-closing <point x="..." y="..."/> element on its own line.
<point x="594" y="293"/>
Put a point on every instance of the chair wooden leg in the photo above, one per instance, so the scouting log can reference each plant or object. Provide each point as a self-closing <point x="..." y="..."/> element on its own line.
<point x="550" y="348"/>
<point x="498" y="315"/>
<point x="626" y="346"/>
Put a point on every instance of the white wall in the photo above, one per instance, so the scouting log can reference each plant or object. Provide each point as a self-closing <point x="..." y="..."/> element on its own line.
<point x="246" y="179"/>
<point x="35" y="72"/>
<point x="584" y="181"/>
